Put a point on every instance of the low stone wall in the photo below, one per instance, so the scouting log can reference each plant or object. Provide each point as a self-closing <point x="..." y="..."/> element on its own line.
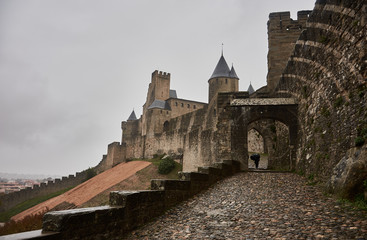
<point x="130" y="209"/>
<point x="10" y="200"/>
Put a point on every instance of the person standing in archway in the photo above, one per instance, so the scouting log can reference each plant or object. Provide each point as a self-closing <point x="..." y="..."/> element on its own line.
<point x="256" y="158"/>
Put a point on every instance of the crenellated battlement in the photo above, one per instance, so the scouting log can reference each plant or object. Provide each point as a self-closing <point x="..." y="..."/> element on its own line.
<point x="283" y="33"/>
<point x="14" y="198"/>
<point x="161" y="74"/>
<point x="283" y="21"/>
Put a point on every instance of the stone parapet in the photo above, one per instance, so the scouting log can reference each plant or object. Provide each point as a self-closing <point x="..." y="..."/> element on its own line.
<point x="263" y="101"/>
<point x="129" y="209"/>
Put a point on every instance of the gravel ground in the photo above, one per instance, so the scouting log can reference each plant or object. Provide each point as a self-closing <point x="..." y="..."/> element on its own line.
<point x="258" y="206"/>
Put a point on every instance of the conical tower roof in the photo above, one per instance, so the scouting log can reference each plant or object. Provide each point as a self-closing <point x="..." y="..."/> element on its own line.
<point x="250" y="89"/>
<point x="132" y="117"/>
<point x="233" y="73"/>
<point x="222" y="69"/>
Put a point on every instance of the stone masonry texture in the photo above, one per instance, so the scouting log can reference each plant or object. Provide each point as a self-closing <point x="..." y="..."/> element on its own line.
<point x="327" y="74"/>
<point x="258" y="206"/>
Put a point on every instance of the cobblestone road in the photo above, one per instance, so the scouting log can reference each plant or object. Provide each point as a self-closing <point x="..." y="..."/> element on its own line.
<point x="258" y="206"/>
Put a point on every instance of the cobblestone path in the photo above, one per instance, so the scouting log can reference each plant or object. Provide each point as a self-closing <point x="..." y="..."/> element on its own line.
<point x="258" y="206"/>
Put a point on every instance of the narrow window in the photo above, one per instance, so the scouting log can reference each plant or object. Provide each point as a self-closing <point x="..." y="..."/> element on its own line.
<point x="226" y="81"/>
<point x="188" y="105"/>
<point x="182" y="105"/>
<point x="176" y="104"/>
<point x="165" y="126"/>
<point x="194" y="106"/>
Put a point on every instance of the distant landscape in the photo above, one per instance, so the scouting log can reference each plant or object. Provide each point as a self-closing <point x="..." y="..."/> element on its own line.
<point x="11" y="176"/>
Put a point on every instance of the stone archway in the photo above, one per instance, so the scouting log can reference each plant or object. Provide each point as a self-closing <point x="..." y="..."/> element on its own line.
<point x="256" y="140"/>
<point x="246" y="111"/>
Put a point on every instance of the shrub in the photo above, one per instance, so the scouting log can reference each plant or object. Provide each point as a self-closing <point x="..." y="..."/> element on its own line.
<point x="359" y="141"/>
<point x="338" y="102"/>
<point x="166" y="165"/>
<point x="90" y="173"/>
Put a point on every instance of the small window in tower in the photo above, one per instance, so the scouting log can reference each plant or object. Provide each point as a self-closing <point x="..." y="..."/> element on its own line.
<point x="226" y="80"/>
<point x="188" y="105"/>
<point x="166" y="126"/>
<point x="217" y="80"/>
<point x="182" y="105"/>
<point x="176" y="104"/>
<point x="161" y="111"/>
<point x="194" y="106"/>
<point x="167" y="112"/>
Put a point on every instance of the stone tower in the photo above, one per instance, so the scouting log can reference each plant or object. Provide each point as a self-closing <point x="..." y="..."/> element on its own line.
<point x="223" y="79"/>
<point x="159" y="87"/>
<point x="158" y="93"/>
<point x="283" y="33"/>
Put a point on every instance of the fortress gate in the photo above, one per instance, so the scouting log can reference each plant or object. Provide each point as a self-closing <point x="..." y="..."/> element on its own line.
<point x="248" y="110"/>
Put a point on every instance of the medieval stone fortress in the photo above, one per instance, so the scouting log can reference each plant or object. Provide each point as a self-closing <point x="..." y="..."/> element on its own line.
<point x="310" y="118"/>
<point x="188" y="129"/>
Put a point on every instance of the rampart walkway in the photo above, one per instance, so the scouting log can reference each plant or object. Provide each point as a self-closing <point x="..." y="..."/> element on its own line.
<point x="258" y="206"/>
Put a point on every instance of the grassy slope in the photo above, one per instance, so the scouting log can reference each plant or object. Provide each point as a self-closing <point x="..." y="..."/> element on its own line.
<point x="5" y="216"/>
<point x="139" y="181"/>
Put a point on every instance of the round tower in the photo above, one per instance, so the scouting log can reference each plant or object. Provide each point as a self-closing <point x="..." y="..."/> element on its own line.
<point x="223" y="79"/>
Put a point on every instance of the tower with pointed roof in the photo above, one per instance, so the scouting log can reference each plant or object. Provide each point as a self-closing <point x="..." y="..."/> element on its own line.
<point x="223" y="79"/>
<point x="250" y="89"/>
<point x="132" y="116"/>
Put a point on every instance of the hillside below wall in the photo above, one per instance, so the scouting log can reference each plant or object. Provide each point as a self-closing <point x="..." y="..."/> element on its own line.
<point x="327" y="73"/>
<point x="10" y="200"/>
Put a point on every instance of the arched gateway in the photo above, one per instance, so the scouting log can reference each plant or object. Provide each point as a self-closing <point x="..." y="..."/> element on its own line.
<point x="243" y="112"/>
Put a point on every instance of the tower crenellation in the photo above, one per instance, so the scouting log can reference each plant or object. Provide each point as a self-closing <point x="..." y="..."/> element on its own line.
<point x="161" y="74"/>
<point x="283" y="33"/>
<point x="283" y="21"/>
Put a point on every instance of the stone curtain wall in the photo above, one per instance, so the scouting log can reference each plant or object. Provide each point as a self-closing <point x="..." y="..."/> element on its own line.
<point x="185" y="135"/>
<point x="8" y="201"/>
<point x="327" y="73"/>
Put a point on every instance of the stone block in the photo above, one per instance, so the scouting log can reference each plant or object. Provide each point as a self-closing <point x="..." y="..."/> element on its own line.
<point x="236" y="166"/>
<point x="159" y="184"/>
<point x="76" y="219"/>
<point x="226" y="169"/>
<point x="132" y="199"/>
<point x="215" y="174"/>
<point x="174" y="197"/>
<point x="194" y="176"/>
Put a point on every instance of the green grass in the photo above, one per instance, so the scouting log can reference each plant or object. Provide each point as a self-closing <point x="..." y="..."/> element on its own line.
<point x="172" y="175"/>
<point x="358" y="203"/>
<point x="5" y="216"/>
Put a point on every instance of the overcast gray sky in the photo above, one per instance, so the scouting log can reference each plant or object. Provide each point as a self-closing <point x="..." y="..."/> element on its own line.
<point x="72" y="70"/>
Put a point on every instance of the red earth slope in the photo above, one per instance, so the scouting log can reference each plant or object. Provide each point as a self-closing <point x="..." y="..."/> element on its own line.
<point x="89" y="189"/>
